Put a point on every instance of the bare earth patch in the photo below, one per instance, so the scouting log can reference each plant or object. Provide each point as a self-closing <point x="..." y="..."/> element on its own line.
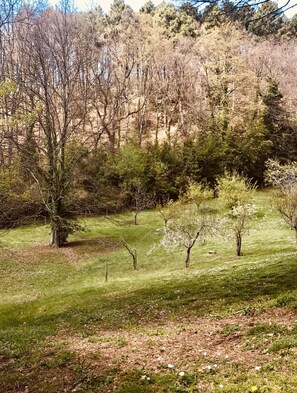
<point x="39" y="251"/>
<point x="184" y="344"/>
<point x="72" y="252"/>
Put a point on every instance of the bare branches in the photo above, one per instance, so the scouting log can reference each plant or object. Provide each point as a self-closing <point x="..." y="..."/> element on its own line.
<point x="284" y="178"/>
<point x="140" y="200"/>
<point x="12" y="11"/>
<point x="132" y="252"/>
<point x="237" y="5"/>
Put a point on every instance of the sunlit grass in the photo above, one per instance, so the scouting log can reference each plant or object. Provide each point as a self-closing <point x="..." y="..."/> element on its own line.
<point x="46" y="291"/>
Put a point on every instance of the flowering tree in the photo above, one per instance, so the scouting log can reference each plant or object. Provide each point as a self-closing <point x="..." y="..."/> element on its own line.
<point x="184" y="232"/>
<point x="236" y="192"/>
<point x="187" y="224"/>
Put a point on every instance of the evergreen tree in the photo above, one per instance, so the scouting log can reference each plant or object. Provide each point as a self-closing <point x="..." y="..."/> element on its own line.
<point x="277" y="124"/>
<point x="147" y="8"/>
<point x="292" y="26"/>
<point x="190" y="10"/>
<point x="268" y="20"/>
<point x="174" y="21"/>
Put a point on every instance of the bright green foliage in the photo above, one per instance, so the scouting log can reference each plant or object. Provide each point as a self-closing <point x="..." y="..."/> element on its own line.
<point x="235" y="190"/>
<point x="198" y="194"/>
<point x="7" y="87"/>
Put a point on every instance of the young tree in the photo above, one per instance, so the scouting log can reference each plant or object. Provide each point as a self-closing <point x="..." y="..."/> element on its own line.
<point x="141" y="200"/>
<point x="284" y="178"/>
<point x="241" y="217"/>
<point x="198" y="194"/>
<point x="131" y="251"/>
<point x="170" y="211"/>
<point x="185" y="231"/>
<point x="235" y="190"/>
<point x="237" y="193"/>
<point x="190" y="225"/>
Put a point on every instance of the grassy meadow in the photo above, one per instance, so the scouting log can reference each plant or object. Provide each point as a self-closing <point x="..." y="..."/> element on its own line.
<point x="227" y="324"/>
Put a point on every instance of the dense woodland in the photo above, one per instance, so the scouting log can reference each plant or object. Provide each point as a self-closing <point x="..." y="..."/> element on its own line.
<point x="101" y="113"/>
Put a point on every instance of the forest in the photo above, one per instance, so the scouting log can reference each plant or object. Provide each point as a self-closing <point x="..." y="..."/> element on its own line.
<point x="99" y="110"/>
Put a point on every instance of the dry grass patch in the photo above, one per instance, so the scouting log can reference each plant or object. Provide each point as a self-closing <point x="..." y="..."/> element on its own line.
<point x="185" y="344"/>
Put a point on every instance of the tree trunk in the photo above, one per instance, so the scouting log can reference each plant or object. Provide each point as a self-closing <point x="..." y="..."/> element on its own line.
<point x="187" y="262"/>
<point x="135" y="218"/>
<point x="134" y="256"/>
<point x="59" y="225"/>
<point x="55" y="237"/>
<point x="238" y="245"/>
<point x="59" y="234"/>
<point x="112" y="140"/>
<point x="106" y="271"/>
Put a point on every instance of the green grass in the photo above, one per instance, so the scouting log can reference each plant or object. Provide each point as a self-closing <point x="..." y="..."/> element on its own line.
<point x="46" y="293"/>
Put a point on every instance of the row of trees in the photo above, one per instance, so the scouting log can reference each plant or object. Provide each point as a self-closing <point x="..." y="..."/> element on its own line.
<point x="198" y="215"/>
<point x="185" y="225"/>
<point x="98" y="110"/>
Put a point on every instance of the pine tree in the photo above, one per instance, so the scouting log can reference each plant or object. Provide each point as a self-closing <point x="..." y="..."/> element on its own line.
<point x="276" y="121"/>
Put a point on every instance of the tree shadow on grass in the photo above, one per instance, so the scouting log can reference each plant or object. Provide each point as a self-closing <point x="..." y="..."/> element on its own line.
<point x="93" y="246"/>
<point x="90" y="310"/>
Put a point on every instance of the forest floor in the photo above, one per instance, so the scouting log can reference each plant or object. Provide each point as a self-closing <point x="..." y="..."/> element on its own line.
<point x="226" y="324"/>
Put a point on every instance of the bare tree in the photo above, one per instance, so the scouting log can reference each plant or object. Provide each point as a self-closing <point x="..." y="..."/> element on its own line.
<point x="284" y="178"/>
<point x="239" y="223"/>
<point x="141" y="200"/>
<point x="114" y="71"/>
<point x="131" y="251"/>
<point x="170" y="211"/>
<point x="54" y="86"/>
<point x="10" y="11"/>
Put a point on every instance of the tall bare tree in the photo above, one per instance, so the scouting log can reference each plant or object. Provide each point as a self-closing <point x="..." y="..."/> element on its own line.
<point x="53" y="81"/>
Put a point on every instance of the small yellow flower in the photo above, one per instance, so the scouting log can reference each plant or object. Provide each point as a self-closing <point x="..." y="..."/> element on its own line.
<point x="254" y="389"/>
